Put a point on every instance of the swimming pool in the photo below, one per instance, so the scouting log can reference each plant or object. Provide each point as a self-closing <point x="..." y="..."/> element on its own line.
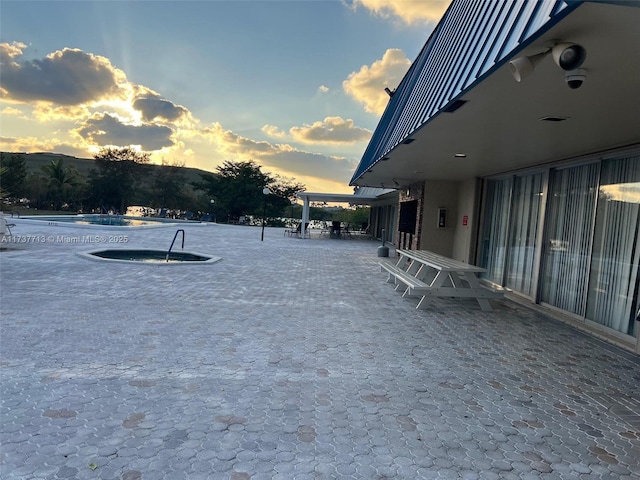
<point x="104" y="220"/>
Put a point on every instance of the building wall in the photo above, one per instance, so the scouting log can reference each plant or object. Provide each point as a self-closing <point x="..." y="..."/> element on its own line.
<point x="466" y="223"/>
<point x="457" y="238"/>
<point x="439" y="195"/>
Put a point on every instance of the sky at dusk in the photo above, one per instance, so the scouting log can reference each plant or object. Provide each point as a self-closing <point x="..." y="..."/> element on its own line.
<point x="296" y="86"/>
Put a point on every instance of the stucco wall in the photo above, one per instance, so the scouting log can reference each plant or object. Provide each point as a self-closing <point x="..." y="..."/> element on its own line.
<point x="465" y="235"/>
<point x="439" y="194"/>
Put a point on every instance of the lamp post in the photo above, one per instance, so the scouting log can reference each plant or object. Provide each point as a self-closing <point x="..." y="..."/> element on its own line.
<point x="265" y="192"/>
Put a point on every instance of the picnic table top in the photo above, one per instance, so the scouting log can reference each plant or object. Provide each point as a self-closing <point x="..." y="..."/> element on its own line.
<point x="439" y="262"/>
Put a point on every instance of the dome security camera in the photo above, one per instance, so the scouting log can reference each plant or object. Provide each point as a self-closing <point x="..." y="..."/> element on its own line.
<point x="575" y="78"/>
<point x="569" y="56"/>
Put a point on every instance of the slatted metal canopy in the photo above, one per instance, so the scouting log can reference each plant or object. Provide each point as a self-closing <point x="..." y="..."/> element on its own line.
<point x="459" y="96"/>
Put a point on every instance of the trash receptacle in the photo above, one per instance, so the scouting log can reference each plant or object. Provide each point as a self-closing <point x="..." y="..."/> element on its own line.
<point x="383" y="251"/>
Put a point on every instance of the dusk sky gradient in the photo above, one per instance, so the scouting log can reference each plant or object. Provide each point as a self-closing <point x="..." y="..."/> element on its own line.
<point x="296" y="86"/>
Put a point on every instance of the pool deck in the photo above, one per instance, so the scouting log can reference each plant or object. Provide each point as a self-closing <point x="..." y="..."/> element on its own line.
<point x="288" y="359"/>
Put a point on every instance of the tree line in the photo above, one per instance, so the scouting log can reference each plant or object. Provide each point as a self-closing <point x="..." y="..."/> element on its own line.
<point x="122" y="177"/>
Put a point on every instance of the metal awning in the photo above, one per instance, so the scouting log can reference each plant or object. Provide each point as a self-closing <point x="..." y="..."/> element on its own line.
<point x="461" y="114"/>
<point x="350" y="198"/>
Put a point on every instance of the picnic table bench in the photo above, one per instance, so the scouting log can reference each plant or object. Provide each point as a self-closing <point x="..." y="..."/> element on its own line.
<point x="427" y="274"/>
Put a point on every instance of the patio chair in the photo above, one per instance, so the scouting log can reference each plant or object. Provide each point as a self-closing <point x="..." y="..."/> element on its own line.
<point x="336" y="229"/>
<point x="291" y="232"/>
<point x="347" y="231"/>
<point x="5" y="226"/>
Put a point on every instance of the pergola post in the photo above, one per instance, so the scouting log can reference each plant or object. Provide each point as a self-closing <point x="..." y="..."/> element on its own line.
<point x="305" y="216"/>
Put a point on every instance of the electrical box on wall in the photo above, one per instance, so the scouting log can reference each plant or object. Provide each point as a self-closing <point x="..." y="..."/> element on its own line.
<point x="442" y="218"/>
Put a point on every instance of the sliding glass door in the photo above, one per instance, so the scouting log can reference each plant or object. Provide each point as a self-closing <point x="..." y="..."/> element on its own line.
<point x="523" y="233"/>
<point x="614" y="280"/>
<point x="567" y="239"/>
<point x="587" y="259"/>
<point x="495" y="221"/>
<point x="510" y="231"/>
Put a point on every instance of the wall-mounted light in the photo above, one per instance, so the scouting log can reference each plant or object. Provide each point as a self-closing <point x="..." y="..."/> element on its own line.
<point x="522" y="67"/>
<point x="460" y="155"/>
<point x="568" y="56"/>
<point x="408" y="141"/>
<point x="389" y="91"/>
<point x="384" y="159"/>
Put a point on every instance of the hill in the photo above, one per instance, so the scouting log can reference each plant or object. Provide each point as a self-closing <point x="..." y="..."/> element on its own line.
<point x="177" y="195"/>
<point x="33" y="162"/>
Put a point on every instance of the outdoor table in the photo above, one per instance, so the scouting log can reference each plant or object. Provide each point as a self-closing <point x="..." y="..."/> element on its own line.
<point x="452" y="278"/>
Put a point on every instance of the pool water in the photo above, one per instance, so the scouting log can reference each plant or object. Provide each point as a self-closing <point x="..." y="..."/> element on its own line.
<point x="113" y="220"/>
<point x="149" y="256"/>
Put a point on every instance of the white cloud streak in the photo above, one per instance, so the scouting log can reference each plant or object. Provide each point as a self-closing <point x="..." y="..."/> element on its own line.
<point x="410" y="12"/>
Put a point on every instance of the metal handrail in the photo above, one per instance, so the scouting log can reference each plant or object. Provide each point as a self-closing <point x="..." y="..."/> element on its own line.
<point x="174" y="241"/>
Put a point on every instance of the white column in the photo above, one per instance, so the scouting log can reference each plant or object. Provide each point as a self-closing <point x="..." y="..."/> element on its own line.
<point x="305" y="215"/>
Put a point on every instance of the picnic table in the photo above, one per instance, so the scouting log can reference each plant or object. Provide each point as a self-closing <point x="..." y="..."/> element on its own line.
<point x="427" y="274"/>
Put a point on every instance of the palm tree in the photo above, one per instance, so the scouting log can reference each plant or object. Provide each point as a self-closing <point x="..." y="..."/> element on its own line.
<point x="61" y="181"/>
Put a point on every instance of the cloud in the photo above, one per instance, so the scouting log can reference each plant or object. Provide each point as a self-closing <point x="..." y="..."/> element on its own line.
<point x="284" y="158"/>
<point x="367" y="85"/>
<point x="153" y="107"/>
<point x="323" y="89"/>
<point x="87" y="103"/>
<point x="46" y="112"/>
<point x="330" y="130"/>
<point x="10" y="51"/>
<point x="107" y="130"/>
<point x="64" y="77"/>
<point x="409" y="12"/>
<point x="12" y="111"/>
<point x="273" y="131"/>
<point x="28" y="144"/>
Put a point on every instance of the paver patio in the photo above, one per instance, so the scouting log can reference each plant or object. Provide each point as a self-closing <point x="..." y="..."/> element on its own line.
<point x="289" y="359"/>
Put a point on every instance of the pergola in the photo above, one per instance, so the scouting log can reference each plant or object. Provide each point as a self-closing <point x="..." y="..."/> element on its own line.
<point x="351" y="199"/>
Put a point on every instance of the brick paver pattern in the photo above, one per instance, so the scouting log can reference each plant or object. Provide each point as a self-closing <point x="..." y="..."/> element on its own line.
<point x="288" y="359"/>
